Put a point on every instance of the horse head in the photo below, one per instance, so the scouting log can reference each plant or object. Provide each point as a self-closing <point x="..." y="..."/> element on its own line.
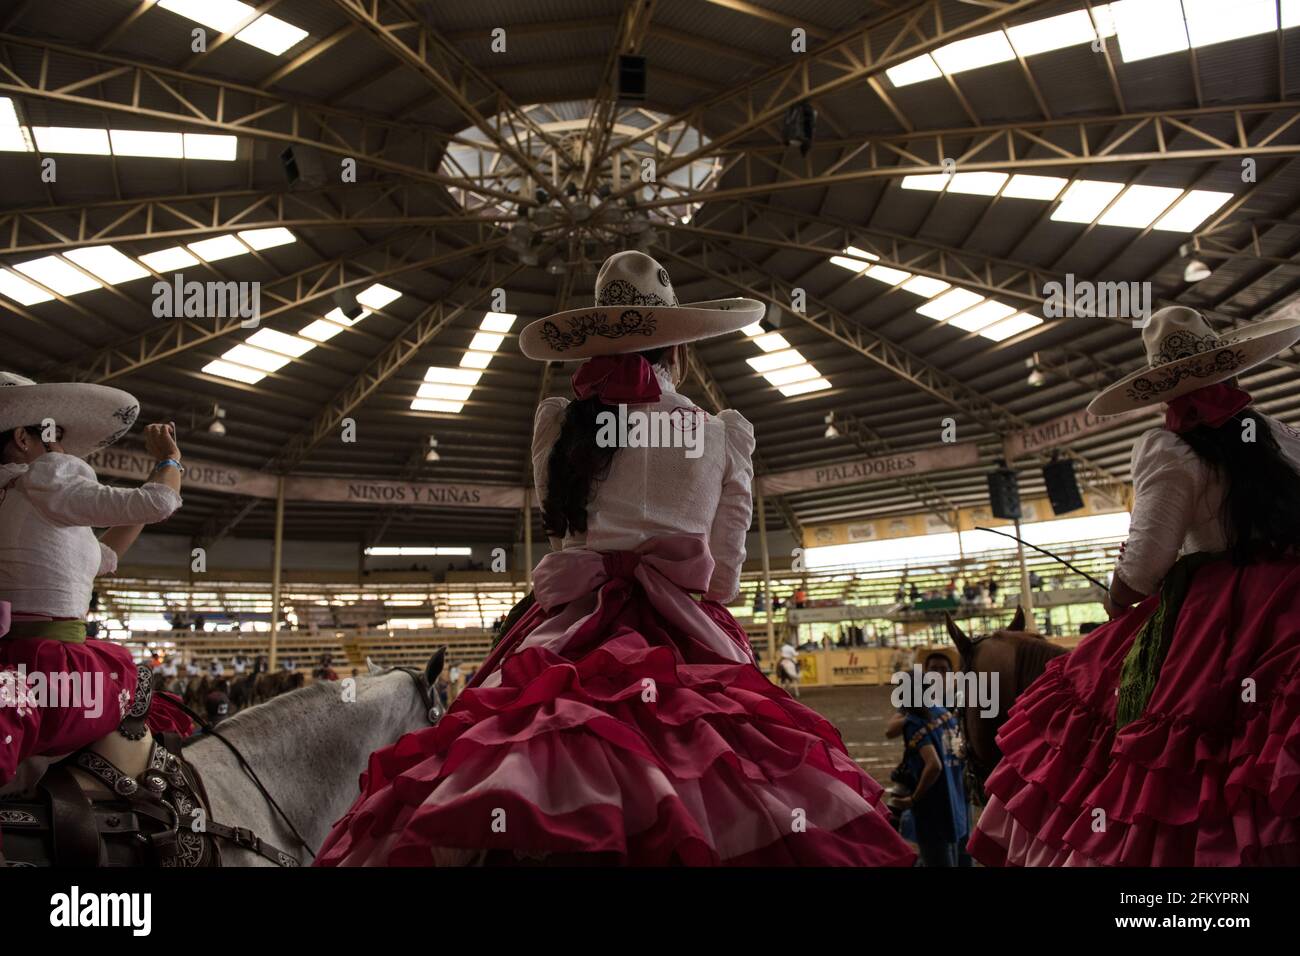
<point x="1011" y="658"/>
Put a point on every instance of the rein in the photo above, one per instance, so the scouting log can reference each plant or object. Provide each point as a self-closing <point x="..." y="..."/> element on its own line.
<point x="976" y="771"/>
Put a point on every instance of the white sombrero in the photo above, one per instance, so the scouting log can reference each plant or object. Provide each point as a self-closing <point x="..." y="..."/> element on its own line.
<point x="91" y="416"/>
<point x="636" y="309"/>
<point x="1184" y="354"/>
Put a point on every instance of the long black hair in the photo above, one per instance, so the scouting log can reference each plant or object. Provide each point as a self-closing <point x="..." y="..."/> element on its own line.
<point x="577" y="462"/>
<point x="1261" y="514"/>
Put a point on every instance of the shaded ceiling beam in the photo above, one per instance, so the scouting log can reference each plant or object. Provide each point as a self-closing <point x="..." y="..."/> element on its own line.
<point x="864" y="51"/>
<point x="189" y="216"/>
<point x="219" y="106"/>
<point x="631" y="34"/>
<point x="413" y="42"/>
<point x="1065" y="143"/>
<point x="307" y="55"/>
<point x="290" y="293"/>
<point x="905" y="365"/>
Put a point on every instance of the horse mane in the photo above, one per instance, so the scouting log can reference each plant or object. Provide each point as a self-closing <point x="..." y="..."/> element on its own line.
<point x="1031" y="657"/>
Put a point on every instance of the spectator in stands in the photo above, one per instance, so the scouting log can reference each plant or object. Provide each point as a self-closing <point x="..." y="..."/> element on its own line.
<point x="993" y="591"/>
<point x="800" y="597"/>
<point x="325" y="668"/>
<point x="192" y="668"/>
<point x="240" y="663"/>
<point x="215" y="669"/>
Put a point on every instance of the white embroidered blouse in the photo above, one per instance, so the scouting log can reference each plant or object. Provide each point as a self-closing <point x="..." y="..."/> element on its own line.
<point x="1177" y="504"/>
<point x="661" y="491"/>
<point x="49" y="556"/>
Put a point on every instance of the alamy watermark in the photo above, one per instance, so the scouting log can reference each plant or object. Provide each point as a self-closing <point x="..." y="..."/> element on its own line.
<point x="636" y="428"/>
<point x="1113" y="300"/>
<point x="196" y="300"/>
<point x="26" y="691"/>
<point x="947" y="689"/>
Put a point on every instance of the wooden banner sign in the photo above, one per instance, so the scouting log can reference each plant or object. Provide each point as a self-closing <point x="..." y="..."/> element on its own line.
<point x="902" y="465"/>
<point x="1058" y="431"/>
<point x="205" y="475"/>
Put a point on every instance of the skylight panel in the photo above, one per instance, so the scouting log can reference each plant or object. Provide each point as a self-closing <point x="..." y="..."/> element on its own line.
<point x="1024" y="186"/>
<point x="274" y="341"/>
<point x="772" y="342"/>
<point x="337" y="316"/>
<point x="950" y="303"/>
<point x="1085" y="199"/>
<point x="71" y="139"/>
<point x="452" y="376"/>
<point x="57" y="275"/>
<point x="221" y="15"/>
<point x="791" y="374"/>
<point x="256" y="358"/>
<point x="914" y="70"/>
<point x="888" y="275"/>
<point x="498" y="322"/>
<point x="930" y="182"/>
<point x="1013" y="326"/>
<point x="486" y="342"/>
<point x="1192" y="210"/>
<point x="14" y="137"/>
<point x="267" y="238"/>
<point x="1139" y="206"/>
<point x="107" y="263"/>
<point x="977" y="184"/>
<point x="802" y="388"/>
<point x="857" y="253"/>
<point x="1290" y="14"/>
<point x="981" y="316"/>
<point x="925" y="286"/>
<point x="20" y="290"/>
<point x="974" y="52"/>
<point x="238" y="373"/>
<point x="774" y="360"/>
<point x="453" y="393"/>
<point x="1217" y="21"/>
<point x="437" y="405"/>
<point x="1053" y="33"/>
<point x="377" y="296"/>
<point x="475" y="359"/>
<point x="169" y="260"/>
<point x="211" y="146"/>
<point x="853" y="265"/>
<point x="271" y="34"/>
<point x="139" y="142"/>
<point x="321" y="330"/>
<point x="217" y="248"/>
<point x="1149" y="28"/>
<point x="753" y="331"/>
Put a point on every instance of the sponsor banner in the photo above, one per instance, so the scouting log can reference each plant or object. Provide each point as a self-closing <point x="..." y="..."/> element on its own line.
<point x="409" y="493"/>
<point x="1058" y="431"/>
<point x="919" y="462"/>
<point x="205" y="475"/>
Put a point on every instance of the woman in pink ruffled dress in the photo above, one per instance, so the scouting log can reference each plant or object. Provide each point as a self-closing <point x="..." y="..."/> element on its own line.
<point x="622" y="720"/>
<point x="1171" y="736"/>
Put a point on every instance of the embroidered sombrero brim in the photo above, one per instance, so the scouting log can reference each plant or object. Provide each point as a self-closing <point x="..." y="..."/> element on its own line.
<point x="614" y="330"/>
<point x="1241" y="350"/>
<point x="91" y="416"/>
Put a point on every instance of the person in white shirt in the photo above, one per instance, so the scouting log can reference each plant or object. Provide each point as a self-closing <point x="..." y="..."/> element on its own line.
<point x="622" y="719"/>
<point x="1178" y="722"/>
<point x="50" y="500"/>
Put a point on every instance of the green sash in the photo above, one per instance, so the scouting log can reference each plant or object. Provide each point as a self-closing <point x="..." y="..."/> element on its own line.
<point x="71" y="632"/>
<point x="1147" y="655"/>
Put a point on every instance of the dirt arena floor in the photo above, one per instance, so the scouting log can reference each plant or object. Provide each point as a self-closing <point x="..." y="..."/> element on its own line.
<point x="860" y="715"/>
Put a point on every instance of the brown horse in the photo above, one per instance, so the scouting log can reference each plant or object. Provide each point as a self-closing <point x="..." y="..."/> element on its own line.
<point x="1015" y="657"/>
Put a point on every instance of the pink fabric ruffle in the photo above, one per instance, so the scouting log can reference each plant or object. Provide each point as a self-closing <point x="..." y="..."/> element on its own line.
<point x="642" y="750"/>
<point x="1203" y="778"/>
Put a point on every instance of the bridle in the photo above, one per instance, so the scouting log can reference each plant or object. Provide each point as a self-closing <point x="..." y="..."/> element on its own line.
<point x="977" y="771"/>
<point x="432" y="712"/>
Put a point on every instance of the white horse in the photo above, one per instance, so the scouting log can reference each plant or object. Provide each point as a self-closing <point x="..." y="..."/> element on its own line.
<point x="308" y="749"/>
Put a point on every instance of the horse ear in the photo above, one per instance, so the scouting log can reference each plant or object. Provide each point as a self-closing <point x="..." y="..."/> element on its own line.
<point x="434" y="667"/>
<point x="958" y="636"/>
<point x="374" y="669"/>
<point x="1017" y="622"/>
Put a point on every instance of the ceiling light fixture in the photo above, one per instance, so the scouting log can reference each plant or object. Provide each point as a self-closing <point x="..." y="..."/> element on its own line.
<point x="831" y="430"/>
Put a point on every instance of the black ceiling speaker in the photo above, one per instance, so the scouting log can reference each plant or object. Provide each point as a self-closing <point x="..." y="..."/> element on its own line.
<point x="1004" y="493"/>
<point x="302" y="164"/>
<point x="799" y="126"/>
<point x="1062" y="487"/>
<point x="631" y="77"/>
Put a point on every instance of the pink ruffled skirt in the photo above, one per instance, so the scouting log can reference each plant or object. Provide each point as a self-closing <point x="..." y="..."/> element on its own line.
<point x="1209" y="775"/>
<point x="636" y="746"/>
